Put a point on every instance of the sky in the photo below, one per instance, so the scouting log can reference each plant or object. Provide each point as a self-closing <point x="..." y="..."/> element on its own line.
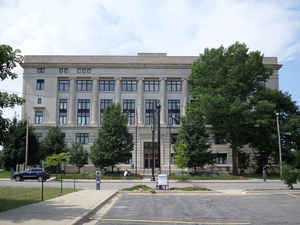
<point x="176" y="27"/>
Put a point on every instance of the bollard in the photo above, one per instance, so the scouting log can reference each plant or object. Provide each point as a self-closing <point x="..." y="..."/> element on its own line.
<point x="98" y="180"/>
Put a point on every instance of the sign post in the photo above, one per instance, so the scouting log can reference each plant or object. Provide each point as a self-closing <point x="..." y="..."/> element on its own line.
<point x="98" y="179"/>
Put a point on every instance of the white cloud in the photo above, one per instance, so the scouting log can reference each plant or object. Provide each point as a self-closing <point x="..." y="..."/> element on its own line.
<point x="178" y="27"/>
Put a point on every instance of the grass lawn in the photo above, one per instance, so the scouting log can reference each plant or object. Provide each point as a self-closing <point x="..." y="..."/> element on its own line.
<point x="4" y="174"/>
<point x="205" y="177"/>
<point x="93" y="176"/>
<point x="13" y="197"/>
<point x="194" y="188"/>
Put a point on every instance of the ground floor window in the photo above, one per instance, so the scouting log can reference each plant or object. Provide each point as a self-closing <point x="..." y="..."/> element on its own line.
<point x="148" y="159"/>
<point x="221" y="158"/>
<point x="82" y="138"/>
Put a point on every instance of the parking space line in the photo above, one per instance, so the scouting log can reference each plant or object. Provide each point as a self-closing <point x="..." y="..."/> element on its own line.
<point x="292" y="195"/>
<point x="175" y="222"/>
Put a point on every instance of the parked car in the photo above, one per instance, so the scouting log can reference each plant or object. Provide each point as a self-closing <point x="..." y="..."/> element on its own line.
<point x="33" y="173"/>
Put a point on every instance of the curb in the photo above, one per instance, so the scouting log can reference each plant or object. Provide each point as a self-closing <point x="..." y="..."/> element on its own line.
<point x="88" y="213"/>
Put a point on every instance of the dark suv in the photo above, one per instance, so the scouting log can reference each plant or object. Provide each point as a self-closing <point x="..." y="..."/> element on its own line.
<point x="33" y="173"/>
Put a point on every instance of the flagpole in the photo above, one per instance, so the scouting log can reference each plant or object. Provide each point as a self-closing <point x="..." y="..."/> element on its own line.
<point x="136" y="141"/>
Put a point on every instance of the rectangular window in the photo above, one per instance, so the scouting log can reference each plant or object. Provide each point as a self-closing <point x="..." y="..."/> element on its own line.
<point x="63" y="109"/>
<point x="174" y="85"/>
<point x="63" y="70"/>
<point x="174" y="111"/>
<point x="63" y="85"/>
<point x="39" y="101"/>
<point x="40" y="84"/>
<point x="106" y="85"/>
<point x="82" y="138"/>
<point x="40" y="70"/>
<point x="84" y="70"/>
<point x="129" y="107"/>
<point x="103" y="104"/>
<point x="150" y="106"/>
<point x="151" y="85"/>
<point x="83" y="112"/>
<point x="221" y="158"/>
<point x="128" y="85"/>
<point x="39" y="117"/>
<point x="84" y="85"/>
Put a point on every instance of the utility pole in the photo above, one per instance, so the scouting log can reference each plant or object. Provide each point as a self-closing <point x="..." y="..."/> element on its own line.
<point x="279" y="145"/>
<point x="158" y="132"/>
<point x="26" y="148"/>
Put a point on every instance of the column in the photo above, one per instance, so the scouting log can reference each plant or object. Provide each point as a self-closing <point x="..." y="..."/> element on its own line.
<point x="140" y="100"/>
<point x="118" y="90"/>
<point x="94" y="116"/>
<point x="163" y="100"/>
<point x="72" y="102"/>
<point x="185" y="95"/>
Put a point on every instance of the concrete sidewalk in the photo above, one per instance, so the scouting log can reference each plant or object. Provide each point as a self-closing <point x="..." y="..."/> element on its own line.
<point x="67" y="209"/>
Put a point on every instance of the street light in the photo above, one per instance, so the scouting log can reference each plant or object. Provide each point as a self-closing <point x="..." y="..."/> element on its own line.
<point x="279" y="145"/>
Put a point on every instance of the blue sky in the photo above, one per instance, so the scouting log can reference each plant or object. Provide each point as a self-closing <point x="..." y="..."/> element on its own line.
<point x="178" y="27"/>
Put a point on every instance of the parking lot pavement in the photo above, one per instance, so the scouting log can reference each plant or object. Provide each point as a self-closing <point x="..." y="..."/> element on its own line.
<point x="280" y="209"/>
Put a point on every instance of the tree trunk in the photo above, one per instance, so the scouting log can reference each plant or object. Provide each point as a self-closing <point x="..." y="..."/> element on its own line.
<point x="112" y="169"/>
<point x="234" y="161"/>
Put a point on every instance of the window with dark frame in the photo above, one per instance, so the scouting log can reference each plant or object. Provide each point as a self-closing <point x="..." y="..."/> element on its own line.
<point x="221" y="158"/>
<point x="40" y="84"/>
<point x="174" y="85"/>
<point x="40" y="70"/>
<point x="151" y="85"/>
<point x="63" y="109"/>
<point x="174" y="112"/>
<point x="129" y="107"/>
<point x="39" y="117"/>
<point x="128" y="85"/>
<point x="63" y="70"/>
<point x="150" y="106"/>
<point x="106" y="85"/>
<point x="84" y="85"/>
<point x="82" y="138"/>
<point x="83" y="111"/>
<point x="84" y="70"/>
<point x="39" y="101"/>
<point x="103" y="104"/>
<point x="63" y="85"/>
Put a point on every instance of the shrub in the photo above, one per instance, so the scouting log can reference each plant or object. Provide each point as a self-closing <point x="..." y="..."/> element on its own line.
<point x="289" y="176"/>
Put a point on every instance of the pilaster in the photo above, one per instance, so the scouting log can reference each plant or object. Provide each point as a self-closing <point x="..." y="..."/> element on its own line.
<point x="94" y="116"/>
<point x="118" y="90"/>
<point x="140" y="100"/>
<point x="163" y="100"/>
<point x="72" y="102"/>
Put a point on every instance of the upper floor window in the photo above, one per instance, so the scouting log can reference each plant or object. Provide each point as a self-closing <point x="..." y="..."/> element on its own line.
<point x="63" y="109"/>
<point x="221" y="158"/>
<point x="83" y="111"/>
<point x="38" y="117"/>
<point x="40" y="70"/>
<point x="129" y="107"/>
<point x="84" y="70"/>
<point x="103" y="104"/>
<point x="128" y="85"/>
<point x="39" y="101"/>
<point x="63" y="85"/>
<point x="151" y="85"/>
<point x="150" y="106"/>
<point x="174" y="85"/>
<point x="40" y="84"/>
<point x="84" y="85"/>
<point x="174" y="111"/>
<point x="106" y="85"/>
<point x="219" y="140"/>
<point x="82" y="138"/>
<point x="63" y="70"/>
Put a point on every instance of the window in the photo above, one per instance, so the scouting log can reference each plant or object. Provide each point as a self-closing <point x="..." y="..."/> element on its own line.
<point x="63" y="70"/>
<point x="83" y="111"/>
<point x="84" y="85"/>
<point x="150" y="106"/>
<point x="82" y="138"/>
<point x="221" y="158"/>
<point x="106" y="85"/>
<point x="40" y="84"/>
<point x="174" y="85"/>
<point x="39" y="101"/>
<point x="39" y="117"/>
<point x="40" y="70"/>
<point x="63" y="85"/>
<point x="151" y="85"/>
<point x="129" y="107"/>
<point x="63" y="109"/>
<point x="84" y="70"/>
<point x="128" y="85"/>
<point x="174" y="111"/>
<point x="103" y="104"/>
<point x="219" y="140"/>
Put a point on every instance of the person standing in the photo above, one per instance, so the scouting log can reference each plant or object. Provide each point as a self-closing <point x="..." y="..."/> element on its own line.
<point x="265" y="173"/>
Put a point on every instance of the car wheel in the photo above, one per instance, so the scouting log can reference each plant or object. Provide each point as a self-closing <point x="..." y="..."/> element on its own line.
<point x="40" y="179"/>
<point x="18" y="178"/>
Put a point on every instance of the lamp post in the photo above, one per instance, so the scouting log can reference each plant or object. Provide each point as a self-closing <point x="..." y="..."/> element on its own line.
<point x="279" y="145"/>
<point x="158" y="132"/>
<point x="170" y="140"/>
<point x="152" y="129"/>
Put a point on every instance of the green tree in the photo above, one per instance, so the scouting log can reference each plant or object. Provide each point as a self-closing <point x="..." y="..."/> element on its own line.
<point x="14" y="145"/>
<point x="181" y="160"/>
<point x="222" y="83"/>
<point x="194" y="135"/>
<point x="9" y="59"/>
<point x="54" y="143"/>
<point x="114" y="143"/>
<point x="78" y="156"/>
<point x="53" y="162"/>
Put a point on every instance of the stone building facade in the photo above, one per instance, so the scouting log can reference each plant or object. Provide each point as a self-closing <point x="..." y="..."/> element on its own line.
<point x="72" y="92"/>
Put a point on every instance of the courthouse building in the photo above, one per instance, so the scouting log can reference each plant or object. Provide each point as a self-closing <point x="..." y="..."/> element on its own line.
<point x="72" y="91"/>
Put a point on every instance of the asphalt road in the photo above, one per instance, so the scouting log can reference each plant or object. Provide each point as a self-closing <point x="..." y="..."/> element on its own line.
<point x="181" y="209"/>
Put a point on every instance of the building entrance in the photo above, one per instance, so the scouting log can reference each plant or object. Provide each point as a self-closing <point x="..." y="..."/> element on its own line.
<point x="148" y="155"/>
